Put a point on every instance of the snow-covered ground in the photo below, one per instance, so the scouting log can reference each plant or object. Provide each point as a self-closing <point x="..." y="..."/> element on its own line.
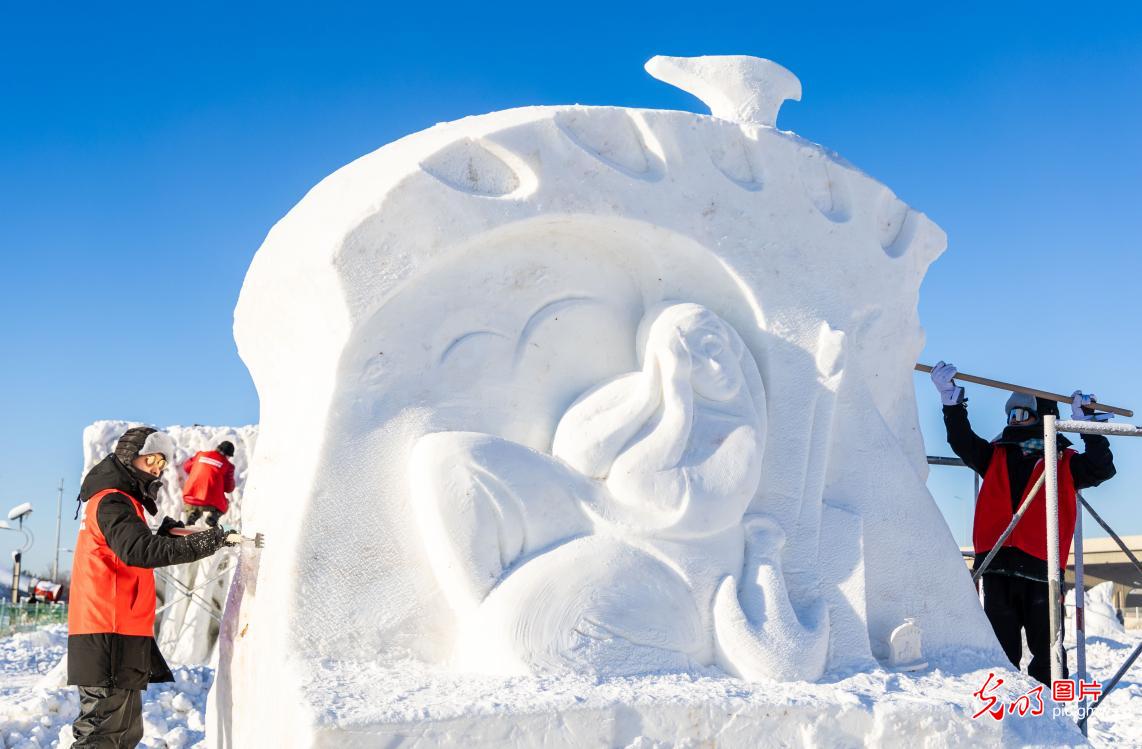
<point x="1118" y="720"/>
<point x="34" y="711"/>
<point x="26" y="657"/>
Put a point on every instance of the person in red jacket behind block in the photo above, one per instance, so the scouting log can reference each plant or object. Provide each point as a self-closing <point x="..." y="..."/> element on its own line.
<point x="209" y="478"/>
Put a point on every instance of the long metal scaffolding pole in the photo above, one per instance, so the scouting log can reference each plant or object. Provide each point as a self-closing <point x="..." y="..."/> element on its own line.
<point x="1080" y="610"/>
<point x="1117" y="539"/>
<point x="1054" y="584"/>
<point x="1105" y="428"/>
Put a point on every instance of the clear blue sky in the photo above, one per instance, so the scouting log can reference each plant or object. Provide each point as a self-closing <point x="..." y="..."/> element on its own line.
<point x="145" y="152"/>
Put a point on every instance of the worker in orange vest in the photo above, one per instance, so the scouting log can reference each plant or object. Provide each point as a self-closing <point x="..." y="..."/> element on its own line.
<point x="111" y="649"/>
<point x="209" y="478"/>
<point x="1015" y="589"/>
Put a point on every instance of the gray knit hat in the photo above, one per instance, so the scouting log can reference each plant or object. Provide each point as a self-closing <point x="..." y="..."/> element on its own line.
<point x="1022" y="400"/>
<point x="138" y="441"/>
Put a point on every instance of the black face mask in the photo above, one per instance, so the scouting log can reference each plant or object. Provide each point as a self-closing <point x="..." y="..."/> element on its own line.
<point x="149" y="485"/>
<point x="1024" y="432"/>
<point x="152" y="488"/>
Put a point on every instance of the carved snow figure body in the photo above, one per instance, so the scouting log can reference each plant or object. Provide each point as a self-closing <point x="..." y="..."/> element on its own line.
<point x="606" y="556"/>
<point x="473" y="291"/>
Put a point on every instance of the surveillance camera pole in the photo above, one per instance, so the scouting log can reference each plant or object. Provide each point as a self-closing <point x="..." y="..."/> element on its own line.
<point x="18" y="513"/>
<point x="17" y="557"/>
<point x="59" y="515"/>
<point x="16" y="576"/>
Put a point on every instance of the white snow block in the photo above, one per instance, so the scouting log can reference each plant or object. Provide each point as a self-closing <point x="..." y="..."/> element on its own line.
<point x="555" y="395"/>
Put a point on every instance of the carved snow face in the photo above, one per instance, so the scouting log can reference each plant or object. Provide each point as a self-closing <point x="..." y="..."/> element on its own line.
<point x="700" y="343"/>
<point x="716" y="373"/>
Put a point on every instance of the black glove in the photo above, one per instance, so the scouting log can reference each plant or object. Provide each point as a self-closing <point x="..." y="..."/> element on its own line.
<point x="230" y="537"/>
<point x="167" y="524"/>
<point x="207" y="542"/>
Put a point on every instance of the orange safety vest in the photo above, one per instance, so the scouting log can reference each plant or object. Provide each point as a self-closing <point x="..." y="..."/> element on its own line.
<point x="993" y="511"/>
<point x="107" y="594"/>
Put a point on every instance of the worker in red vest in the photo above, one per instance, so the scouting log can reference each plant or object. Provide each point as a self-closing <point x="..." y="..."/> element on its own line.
<point x="209" y="478"/>
<point x="111" y="649"/>
<point x="1015" y="592"/>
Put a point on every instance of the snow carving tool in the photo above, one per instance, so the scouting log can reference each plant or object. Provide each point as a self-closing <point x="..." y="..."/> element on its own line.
<point x="1099" y="409"/>
<point x="232" y="537"/>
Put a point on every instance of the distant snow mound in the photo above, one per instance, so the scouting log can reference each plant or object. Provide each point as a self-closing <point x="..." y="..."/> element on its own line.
<point x="1099" y="612"/>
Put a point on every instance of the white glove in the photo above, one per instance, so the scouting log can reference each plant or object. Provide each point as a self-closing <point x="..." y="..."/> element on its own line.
<point x="1078" y="400"/>
<point x="943" y="377"/>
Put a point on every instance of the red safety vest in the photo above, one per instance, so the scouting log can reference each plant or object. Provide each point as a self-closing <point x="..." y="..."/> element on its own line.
<point x="108" y="595"/>
<point x="993" y="511"/>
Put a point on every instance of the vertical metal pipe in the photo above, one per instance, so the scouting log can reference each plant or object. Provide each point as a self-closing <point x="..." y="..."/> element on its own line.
<point x="1080" y="607"/>
<point x="974" y="506"/>
<point x="59" y="515"/>
<point x="15" y="577"/>
<point x="1054" y="584"/>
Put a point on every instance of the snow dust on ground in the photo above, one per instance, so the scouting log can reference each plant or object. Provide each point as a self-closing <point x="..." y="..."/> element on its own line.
<point x="32" y="715"/>
<point x="34" y="710"/>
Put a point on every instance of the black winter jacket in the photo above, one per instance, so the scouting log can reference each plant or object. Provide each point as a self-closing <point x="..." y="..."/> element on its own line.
<point x="126" y="661"/>
<point x="1089" y="468"/>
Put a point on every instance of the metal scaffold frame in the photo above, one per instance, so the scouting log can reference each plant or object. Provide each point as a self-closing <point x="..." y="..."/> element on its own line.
<point x="1051" y="428"/>
<point x="191" y="594"/>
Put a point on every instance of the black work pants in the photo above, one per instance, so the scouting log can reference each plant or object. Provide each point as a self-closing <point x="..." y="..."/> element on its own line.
<point x="1016" y="603"/>
<point x="108" y="718"/>
<point x="194" y="512"/>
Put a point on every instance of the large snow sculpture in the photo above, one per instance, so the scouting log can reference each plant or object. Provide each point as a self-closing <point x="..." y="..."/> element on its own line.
<point x="584" y="389"/>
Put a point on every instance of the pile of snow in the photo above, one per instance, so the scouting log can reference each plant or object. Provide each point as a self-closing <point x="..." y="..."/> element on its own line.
<point x="1099" y="613"/>
<point x="36" y="709"/>
<point x="188" y="630"/>
<point x="720" y="315"/>
<point x="1118" y="720"/>
<point x="27" y="656"/>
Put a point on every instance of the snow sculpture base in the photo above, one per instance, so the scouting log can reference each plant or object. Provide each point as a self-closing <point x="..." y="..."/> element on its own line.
<point x="518" y="369"/>
<point x="411" y="708"/>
